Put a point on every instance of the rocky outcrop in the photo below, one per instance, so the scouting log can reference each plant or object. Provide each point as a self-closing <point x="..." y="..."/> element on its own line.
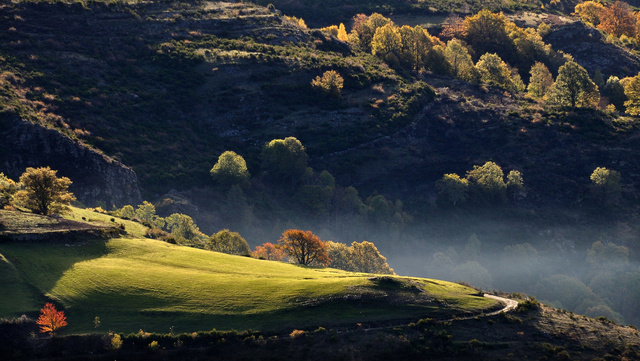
<point x="589" y="49"/>
<point x="97" y="179"/>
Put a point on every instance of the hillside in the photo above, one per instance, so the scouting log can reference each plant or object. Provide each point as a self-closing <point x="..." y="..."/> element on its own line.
<point x="133" y="284"/>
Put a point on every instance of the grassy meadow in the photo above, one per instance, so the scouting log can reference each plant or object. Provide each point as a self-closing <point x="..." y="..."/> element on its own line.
<point x="133" y="283"/>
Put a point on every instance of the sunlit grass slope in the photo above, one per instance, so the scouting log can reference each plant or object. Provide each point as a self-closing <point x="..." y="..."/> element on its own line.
<point x="134" y="284"/>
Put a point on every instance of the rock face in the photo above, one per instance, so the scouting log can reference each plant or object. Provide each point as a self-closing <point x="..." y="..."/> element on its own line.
<point x="588" y="47"/>
<point x="97" y="179"/>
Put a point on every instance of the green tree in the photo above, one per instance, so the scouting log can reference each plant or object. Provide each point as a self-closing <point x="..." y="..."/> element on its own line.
<point x="228" y="242"/>
<point x="340" y="255"/>
<point x="437" y="62"/>
<point x="494" y="71"/>
<point x="515" y="183"/>
<point x="574" y="88"/>
<point x="230" y="169"/>
<point x="305" y="247"/>
<point x="452" y="189"/>
<point x="540" y="81"/>
<point x="614" y="91"/>
<point x="126" y="212"/>
<point x="285" y="158"/>
<point x="43" y="192"/>
<point x="487" y="182"/>
<point x="632" y="92"/>
<point x="605" y="184"/>
<point x="183" y="226"/>
<point x="461" y="63"/>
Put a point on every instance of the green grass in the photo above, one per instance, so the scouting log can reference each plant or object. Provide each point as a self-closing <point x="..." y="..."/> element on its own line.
<point x="134" y="284"/>
<point x="100" y="219"/>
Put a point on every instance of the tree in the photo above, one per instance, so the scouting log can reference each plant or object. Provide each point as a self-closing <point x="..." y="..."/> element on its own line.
<point x="487" y="182"/>
<point x="494" y="71"/>
<point x="329" y="83"/>
<point x="540" y="81"/>
<point x="51" y="320"/>
<point x="386" y="43"/>
<point x="486" y="33"/>
<point x="366" y="258"/>
<point x="43" y="192"/>
<point x="461" y="63"/>
<point x="230" y="169"/>
<point x="181" y="225"/>
<point x="574" y="88"/>
<point x="614" y="91"/>
<point x="366" y="27"/>
<point x="7" y="189"/>
<point x="452" y="189"/>
<point x="415" y="44"/>
<point x="342" y="33"/>
<point x="126" y="212"/>
<point x="228" y="242"/>
<point x="437" y="62"/>
<point x="605" y="184"/>
<point x="270" y="252"/>
<point x="305" y="247"/>
<point x="632" y="91"/>
<point x="340" y="255"/>
<point x="515" y="183"/>
<point x="617" y="19"/>
<point x="285" y="158"/>
<point x="589" y="12"/>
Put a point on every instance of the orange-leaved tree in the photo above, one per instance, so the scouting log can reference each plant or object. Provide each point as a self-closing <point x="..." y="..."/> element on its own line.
<point x="305" y="247"/>
<point x="270" y="252"/>
<point x="51" y="320"/>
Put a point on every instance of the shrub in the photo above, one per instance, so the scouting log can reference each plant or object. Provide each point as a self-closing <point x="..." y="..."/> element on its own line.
<point x="330" y="83"/>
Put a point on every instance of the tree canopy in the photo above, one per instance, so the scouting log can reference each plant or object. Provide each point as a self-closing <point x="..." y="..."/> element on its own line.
<point x="574" y="88"/>
<point x="230" y="169"/>
<point x="285" y="158"/>
<point x="304" y="247"/>
<point x="228" y="242"/>
<point x="43" y="192"/>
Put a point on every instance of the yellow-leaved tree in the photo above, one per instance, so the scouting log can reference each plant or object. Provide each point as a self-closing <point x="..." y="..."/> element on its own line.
<point x="43" y="192"/>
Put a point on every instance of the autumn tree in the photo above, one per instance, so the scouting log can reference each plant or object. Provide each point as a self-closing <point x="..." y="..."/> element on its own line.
<point x="605" y="184"/>
<point x="228" y="242"/>
<point x="7" y="189"/>
<point x="304" y="247"/>
<point x="366" y="258"/>
<point x="415" y="44"/>
<point x="494" y="71"/>
<point x="617" y="19"/>
<point x="589" y="12"/>
<point x="574" y="88"/>
<point x="366" y="26"/>
<point x="461" y="62"/>
<point x="486" y="33"/>
<point x="540" y="81"/>
<point x="51" y="320"/>
<point x="43" y="192"/>
<point x="230" y="169"/>
<point x="452" y="189"/>
<point x="387" y="43"/>
<point x="632" y="92"/>
<point x="270" y="252"/>
<point x="330" y="83"/>
<point x="285" y="158"/>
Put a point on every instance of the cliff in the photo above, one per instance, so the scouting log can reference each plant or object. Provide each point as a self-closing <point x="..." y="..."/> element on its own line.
<point x="97" y="179"/>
